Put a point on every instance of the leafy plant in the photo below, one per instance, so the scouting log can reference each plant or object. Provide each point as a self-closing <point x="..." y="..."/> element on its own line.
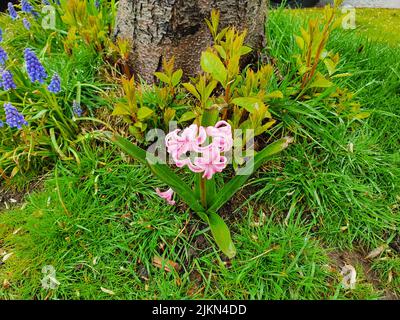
<point x="50" y="84"/>
<point x="197" y="196"/>
<point x="312" y="43"/>
<point x="227" y="98"/>
<point x="244" y="98"/>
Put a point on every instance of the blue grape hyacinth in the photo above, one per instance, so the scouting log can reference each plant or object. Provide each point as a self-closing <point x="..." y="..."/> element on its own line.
<point x="76" y="108"/>
<point x="97" y="4"/>
<point x="1" y="35"/>
<point x="26" y="23"/>
<point x="13" y="118"/>
<point x="11" y="11"/>
<point x="3" y="56"/>
<point x="55" y="84"/>
<point x="1" y="124"/>
<point x="46" y="2"/>
<point x="26" y="6"/>
<point x="7" y="81"/>
<point x="34" y="68"/>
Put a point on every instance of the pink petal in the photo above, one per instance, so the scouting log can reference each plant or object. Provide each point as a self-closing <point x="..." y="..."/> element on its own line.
<point x="166" y="195"/>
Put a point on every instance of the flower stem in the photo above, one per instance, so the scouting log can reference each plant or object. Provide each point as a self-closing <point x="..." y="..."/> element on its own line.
<point x="203" y="193"/>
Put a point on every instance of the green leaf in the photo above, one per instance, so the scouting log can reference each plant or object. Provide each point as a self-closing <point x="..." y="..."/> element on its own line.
<point x="330" y="66"/>
<point x="191" y="88"/>
<point x="162" y="171"/>
<point x="321" y="82"/>
<point x="210" y="88"/>
<point x="176" y="77"/>
<point x="187" y="116"/>
<point x="264" y="127"/>
<point x="141" y="125"/>
<point x="249" y="103"/>
<point x="221" y="51"/>
<point x="245" y="50"/>
<point x="162" y="77"/>
<point x="342" y="75"/>
<point x="275" y="95"/>
<point x="239" y="180"/>
<point x="222" y="235"/>
<point x="121" y="110"/>
<point x="361" y="115"/>
<point x="56" y="147"/>
<point x="144" y="113"/>
<point x="300" y="42"/>
<point x="210" y="63"/>
<point x="210" y="117"/>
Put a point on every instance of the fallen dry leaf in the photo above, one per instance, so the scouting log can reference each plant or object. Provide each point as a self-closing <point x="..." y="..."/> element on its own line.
<point x="376" y="252"/>
<point x="7" y="256"/>
<point x="390" y="276"/>
<point x="168" y="265"/>
<point x="110" y="292"/>
<point x="6" y="284"/>
<point x="349" y="276"/>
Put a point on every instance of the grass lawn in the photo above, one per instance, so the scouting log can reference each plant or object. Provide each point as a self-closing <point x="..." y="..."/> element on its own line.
<point x="329" y="200"/>
<point x="377" y="24"/>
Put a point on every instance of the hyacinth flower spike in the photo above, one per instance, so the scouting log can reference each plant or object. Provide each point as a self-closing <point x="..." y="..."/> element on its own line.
<point x="77" y="109"/>
<point x="28" y="8"/>
<point x="7" y="81"/>
<point x="34" y="68"/>
<point x="55" y="84"/>
<point x="3" y="56"/>
<point x="13" y="118"/>
<point x="11" y="11"/>
<point x="26" y="24"/>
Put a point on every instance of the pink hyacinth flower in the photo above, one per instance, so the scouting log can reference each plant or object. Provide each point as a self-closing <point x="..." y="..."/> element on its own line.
<point x="222" y="135"/>
<point x="192" y="139"/>
<point x="211" y="162"/>
<point x="167" y="195"/>
<point x="188" y="140"/>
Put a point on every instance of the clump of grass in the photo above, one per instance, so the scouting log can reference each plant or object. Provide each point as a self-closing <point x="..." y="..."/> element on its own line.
<point x="378" y="24"/>
<point x="102" y="225"/>
<point x="345" y="172"/>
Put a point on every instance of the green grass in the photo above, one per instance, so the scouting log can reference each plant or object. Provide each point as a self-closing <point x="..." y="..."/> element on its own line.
<point x="337" y="189"/>
<point x="381" y="25"/>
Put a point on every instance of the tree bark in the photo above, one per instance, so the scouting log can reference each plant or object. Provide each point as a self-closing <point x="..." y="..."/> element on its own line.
<point x="165" y="28"/>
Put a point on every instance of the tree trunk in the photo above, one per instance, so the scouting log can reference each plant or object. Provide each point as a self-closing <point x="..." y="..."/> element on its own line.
<point x="162" y="28"/>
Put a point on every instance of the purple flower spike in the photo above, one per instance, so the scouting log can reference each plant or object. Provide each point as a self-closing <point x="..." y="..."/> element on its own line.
<point x="1" y="35"/>
<point x="12" y="12"/>
<point x="76" y="108"/>
<point x="26" y="6"/>
<point x="1" y="124"/>
<point x="26" y="23"/>
<point x="13" y="118"/>
<point x="7" y="81"/>
<point x="34" y="68"/>
<point x="3" y="56"/>
<point x="55" y="84"/>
